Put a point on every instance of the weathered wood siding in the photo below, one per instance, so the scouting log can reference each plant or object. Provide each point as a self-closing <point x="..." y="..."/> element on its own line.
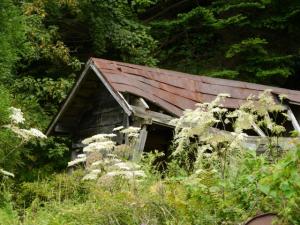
<point x="103" y="115"/>
<point x="96" y="110"/>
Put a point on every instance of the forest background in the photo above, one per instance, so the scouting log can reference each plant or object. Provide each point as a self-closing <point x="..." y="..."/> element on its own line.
<point x="44" y="45"/>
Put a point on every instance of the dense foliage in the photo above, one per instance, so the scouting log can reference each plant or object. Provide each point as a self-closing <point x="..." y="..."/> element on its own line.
<point x="255" y="41"/>
<point x="248" y="40"/>
<point x="43" y="47"/>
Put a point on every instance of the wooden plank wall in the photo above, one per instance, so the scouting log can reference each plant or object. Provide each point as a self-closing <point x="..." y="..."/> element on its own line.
<point x="101" y="113"/>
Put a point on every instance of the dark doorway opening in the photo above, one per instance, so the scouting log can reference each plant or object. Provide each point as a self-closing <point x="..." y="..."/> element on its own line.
<point x="160" y="138"/>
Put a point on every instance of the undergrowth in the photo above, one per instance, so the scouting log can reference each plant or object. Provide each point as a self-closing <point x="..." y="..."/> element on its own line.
<point x="255" y="186"/>
<point x="211" y="178"/>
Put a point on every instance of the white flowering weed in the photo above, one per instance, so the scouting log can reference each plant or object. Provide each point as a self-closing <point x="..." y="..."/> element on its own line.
<point x="198" y="126"/>
<point x="76" y="161"/>
<point x="16" y="116"/>
<point x="99" y="153"/>
<point x="25" y="134"/>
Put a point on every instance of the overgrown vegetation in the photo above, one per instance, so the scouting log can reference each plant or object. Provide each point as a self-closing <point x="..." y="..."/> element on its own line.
<point x="224" y="183"/>
<point x="213" y="180"/>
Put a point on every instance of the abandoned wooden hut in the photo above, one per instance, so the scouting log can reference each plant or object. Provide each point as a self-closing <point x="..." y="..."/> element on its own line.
<point x="110" y="94"/>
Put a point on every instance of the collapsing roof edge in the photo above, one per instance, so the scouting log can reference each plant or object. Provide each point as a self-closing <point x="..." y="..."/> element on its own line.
<point x="173" y="91"/>
<point x="176" y="91"/>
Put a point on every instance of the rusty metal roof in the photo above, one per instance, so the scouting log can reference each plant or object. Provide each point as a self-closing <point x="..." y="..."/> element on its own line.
<point x="172" y="91"/>
<point x="176" y="91"/>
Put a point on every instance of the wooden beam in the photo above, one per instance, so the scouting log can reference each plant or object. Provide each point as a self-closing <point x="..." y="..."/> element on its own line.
<point x="140" y="102"/>
<point x="156" y="117"/>
<point x="125" y="101"/>
<point x="294" y="103"/>
<point x="140" y="145"/>
<point x="144" y="103"/>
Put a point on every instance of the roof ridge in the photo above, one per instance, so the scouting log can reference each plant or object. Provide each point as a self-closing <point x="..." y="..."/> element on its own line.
<point x="203" y="78"/>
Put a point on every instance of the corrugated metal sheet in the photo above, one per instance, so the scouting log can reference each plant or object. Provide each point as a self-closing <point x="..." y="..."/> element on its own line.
<point x="175" y="91"/>
<point x="264" y="219"/>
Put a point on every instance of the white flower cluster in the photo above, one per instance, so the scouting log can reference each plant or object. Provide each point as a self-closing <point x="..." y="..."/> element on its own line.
<point x="16" y="116"/>
<point x="107" y="162"/>
<point x="131" y="131"/>
<point x="200" y="124"/>
<point x="197" y="122"/>
<point x="98" y="138"/>
<point x="26" y="134"/>
<point x="100" y="146"/>
<point x="35" y="133"/>
<point x="78" y="160"/>
<point x="99" y="143"/>
<point x="100" y="152"/>
<point x="17" y="119"/>
<point x="113" y="167"/>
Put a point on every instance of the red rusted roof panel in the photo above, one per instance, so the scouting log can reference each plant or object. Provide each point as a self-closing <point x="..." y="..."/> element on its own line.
<point x="176" y="91"/>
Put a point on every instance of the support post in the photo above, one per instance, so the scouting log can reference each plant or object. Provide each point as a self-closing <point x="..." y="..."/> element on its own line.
<point x="140" y="144"/>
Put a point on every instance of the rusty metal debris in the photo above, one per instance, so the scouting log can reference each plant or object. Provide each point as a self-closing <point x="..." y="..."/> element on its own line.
<point x="263" y="219"/>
